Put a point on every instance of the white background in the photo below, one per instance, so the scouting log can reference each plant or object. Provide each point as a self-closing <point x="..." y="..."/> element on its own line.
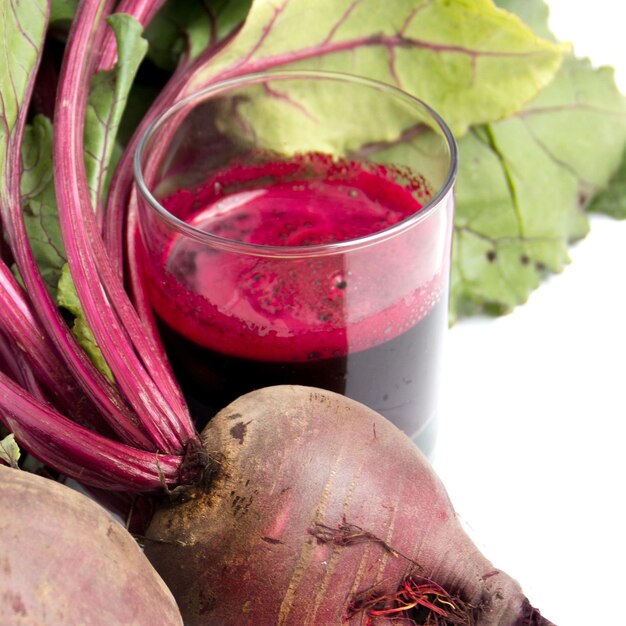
<point x="532" y="444"/>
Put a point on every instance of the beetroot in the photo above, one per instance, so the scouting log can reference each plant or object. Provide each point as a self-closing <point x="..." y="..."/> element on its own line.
<point x="319" y="511"/>
<point x="65" y="560"/>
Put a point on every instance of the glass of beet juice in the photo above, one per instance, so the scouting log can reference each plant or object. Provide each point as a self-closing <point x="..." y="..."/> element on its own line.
<point x="296" y="229"/>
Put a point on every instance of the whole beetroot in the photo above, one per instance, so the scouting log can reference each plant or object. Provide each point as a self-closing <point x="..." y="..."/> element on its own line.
<point x="318" y="511"/>
<point x="65" y="561"/>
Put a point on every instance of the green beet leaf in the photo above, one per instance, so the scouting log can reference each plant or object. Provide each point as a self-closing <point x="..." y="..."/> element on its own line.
<point x="534" y="13"/>
<point x="22" y="29"/>
<point x="9" y="451"/>
<point x="44" y="233"/>
<point x="62" y="10"/>
<point x="107" y="100"/>
<point x="182" y="30"/>
<point x="68" y="299"/>
<point x="525" y="182"/>
<point x="612" y="200"/>
<point x="469" y="60"/>
<point x="22" y="32"/>
<point x="106" y="104"/>
<point x="39" y="202"/>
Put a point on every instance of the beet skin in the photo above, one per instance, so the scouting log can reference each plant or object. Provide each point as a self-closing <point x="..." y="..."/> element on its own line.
<point x="64" y="561"/>
<point x="320" y="512"/>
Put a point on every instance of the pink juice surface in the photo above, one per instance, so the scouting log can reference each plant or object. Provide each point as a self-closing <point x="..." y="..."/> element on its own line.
<point x="292" y="309"/>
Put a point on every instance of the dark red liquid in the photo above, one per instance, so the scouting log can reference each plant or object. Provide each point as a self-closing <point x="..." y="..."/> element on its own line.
<point x="366" y="324"/>
<point x="398" y="378"/>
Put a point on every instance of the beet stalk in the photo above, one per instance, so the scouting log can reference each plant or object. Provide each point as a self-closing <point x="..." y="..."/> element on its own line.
<point x="320" y="511"/>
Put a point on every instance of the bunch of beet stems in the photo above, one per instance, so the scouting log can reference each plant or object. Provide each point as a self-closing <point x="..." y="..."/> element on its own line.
<point x="129" y="436"/>
<point x="133" y="435"/>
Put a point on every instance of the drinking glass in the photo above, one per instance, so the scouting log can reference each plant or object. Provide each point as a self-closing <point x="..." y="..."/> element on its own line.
<point x="296" y="229"/>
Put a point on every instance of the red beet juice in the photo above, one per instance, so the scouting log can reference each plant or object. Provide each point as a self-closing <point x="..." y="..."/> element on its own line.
<point x="366" y="323"/>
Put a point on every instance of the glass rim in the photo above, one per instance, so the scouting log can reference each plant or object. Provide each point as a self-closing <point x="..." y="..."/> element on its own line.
<point x="241" y="247"/>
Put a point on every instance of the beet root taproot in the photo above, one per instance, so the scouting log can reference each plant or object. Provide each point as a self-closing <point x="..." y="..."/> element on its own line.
<point x="317" y="511"/>
<point x="65" y="561"/>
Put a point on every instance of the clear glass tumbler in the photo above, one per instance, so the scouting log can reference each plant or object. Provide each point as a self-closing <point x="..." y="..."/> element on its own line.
<point x="297" y="229"/>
